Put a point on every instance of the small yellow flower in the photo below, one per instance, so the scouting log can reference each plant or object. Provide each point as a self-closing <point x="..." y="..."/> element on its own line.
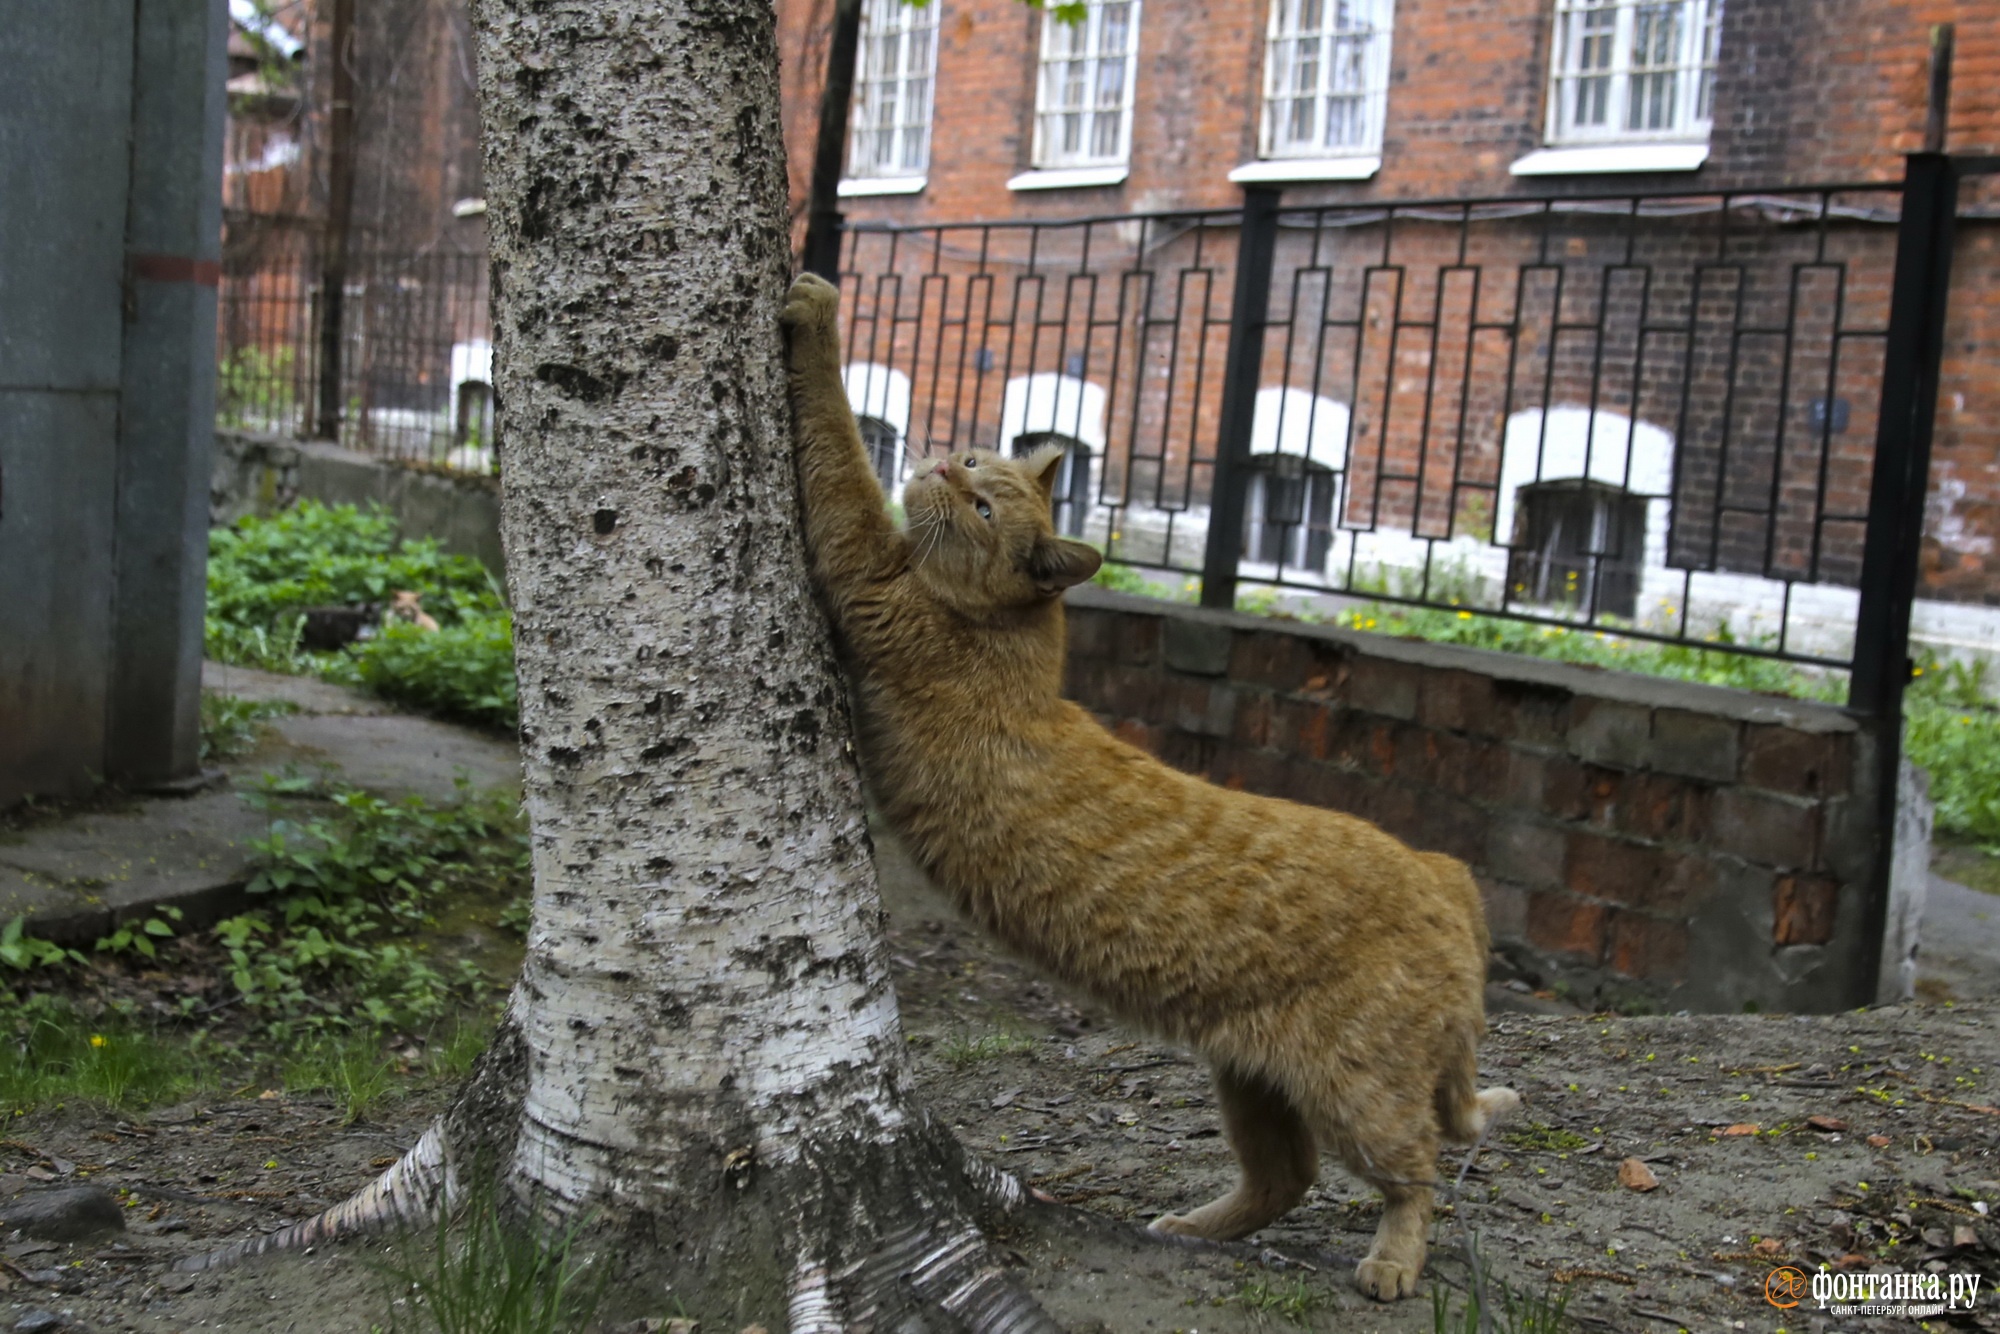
<point x="97" y="1039"/>
<point x="1465" y="616"/>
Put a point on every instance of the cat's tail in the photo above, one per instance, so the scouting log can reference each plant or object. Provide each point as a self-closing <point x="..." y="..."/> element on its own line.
<point x="1466" y="1111"/>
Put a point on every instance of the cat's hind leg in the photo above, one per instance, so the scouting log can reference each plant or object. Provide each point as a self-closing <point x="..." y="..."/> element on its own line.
<point x="1275" y="1150"/>
<point x="1393" y="1145"/>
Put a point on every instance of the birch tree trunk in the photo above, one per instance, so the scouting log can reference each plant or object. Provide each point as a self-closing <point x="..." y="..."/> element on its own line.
<point x="703" y="1051"/>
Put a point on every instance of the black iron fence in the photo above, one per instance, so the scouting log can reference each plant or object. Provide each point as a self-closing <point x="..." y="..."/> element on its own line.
<point x="1649" y="414"/>
<point x="415" y="373"/>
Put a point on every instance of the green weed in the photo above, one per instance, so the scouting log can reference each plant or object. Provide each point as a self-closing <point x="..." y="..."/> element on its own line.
<point x="263" y="572"/>
<point x="255" y="387"/>
<point x="138" y="938"/>
<point x="450" y="1058"/>
<point x="1292" y="1301"/>
<point x="230" y="724"/>
<point x="350" y="1067"/>
<point x="963" y="1049"/>
<point x="22" y="952"/>
<point x="1493" y="1306"/>
<point x="1535" y="1137"/>
<point x="487" y="1269"/>
<point x="347" y="884"/>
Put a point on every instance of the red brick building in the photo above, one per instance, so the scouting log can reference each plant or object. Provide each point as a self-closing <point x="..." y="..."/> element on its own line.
<point x="1692" y="377"/>
<point x="1455" y="99"/>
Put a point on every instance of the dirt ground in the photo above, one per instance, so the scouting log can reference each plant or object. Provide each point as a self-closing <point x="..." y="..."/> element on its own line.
<point x="1117" y="1129"/>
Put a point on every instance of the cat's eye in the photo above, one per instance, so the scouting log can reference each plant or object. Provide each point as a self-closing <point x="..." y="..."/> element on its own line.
<point x="985" y="510"/>
<point x="971" y="462"/>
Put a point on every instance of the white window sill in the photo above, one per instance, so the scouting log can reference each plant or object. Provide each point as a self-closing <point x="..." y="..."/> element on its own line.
<point x="1069" y="178"/>
<point x="1307" y="169"/>
<point x="881" y="185"/>
<point x="1611" y="158"/>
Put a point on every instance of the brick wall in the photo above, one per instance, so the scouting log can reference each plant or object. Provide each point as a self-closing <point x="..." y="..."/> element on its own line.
<point x="1807" y="91"/>
<point x="1643" y="841"/>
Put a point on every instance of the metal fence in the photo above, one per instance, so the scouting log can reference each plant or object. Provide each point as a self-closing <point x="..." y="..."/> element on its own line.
<point x="415" y="375"/>
<point x="1648" y="414"/>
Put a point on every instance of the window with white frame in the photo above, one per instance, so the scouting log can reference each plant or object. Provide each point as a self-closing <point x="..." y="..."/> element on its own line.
<point x="1326" y="77"/>
<point x="893" y="82"/>
<point x="1628" y="71"/>
<point x="1083" y="100"/>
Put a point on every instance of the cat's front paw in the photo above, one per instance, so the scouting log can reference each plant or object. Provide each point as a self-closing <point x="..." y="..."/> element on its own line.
<point x="1385" y="1280"/>
<point x="1174" y="1224"/>
<point x="811" y="308"/>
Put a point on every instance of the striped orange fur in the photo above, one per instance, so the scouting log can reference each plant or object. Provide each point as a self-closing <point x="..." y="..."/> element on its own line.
<point x="1332" y="976"/>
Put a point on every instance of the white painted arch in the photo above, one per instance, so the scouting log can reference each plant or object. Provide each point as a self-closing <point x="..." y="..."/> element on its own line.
<point x="877" y="391"/>
<point x="1572" y="442"/>
<point x="1308" y="426"/>
<point x="1046" y="401"/>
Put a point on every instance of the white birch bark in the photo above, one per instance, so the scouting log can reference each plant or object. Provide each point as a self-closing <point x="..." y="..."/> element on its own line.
<point x="712" y="1054"/>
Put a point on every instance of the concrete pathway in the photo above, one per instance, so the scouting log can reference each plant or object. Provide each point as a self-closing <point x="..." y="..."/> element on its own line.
<point x="77" y="873"/>
<point x="1958" y="946"/>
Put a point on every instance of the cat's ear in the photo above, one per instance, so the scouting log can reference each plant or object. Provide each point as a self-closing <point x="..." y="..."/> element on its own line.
<point x="1055" y="563"/>
<point x="1045" y="465"/>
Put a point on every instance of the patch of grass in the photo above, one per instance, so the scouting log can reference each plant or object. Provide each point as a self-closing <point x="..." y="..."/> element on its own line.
<point x="230" y="724"/>
<point x="450" y="1056"/>
<point x="1292" y="1301"/>
<point x="1536" y="1137"/>
<point x="964" y="1049"/>
<point x="54" y="1054"/>
<point x="488" y="1269"/>
<point x="1952" y="728"/>
<point x="1494" y="1306"/>
<point x="351" y="1067"/>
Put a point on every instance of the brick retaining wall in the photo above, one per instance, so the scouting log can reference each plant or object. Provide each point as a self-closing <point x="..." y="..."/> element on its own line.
<point x="1646" y="842"/>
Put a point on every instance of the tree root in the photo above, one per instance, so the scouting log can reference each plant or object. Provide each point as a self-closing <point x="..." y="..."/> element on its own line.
<point x="407" y="1193"/>
<point x="411" y="1191"/>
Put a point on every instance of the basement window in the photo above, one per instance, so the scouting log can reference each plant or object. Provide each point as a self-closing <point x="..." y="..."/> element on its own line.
<point x="1288" y="512"/>
<point x="885" y="451"/>
<point x="1578" y="544"/>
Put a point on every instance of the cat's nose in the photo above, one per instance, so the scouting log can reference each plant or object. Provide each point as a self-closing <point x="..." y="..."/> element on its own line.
<point x="942" y="468"/>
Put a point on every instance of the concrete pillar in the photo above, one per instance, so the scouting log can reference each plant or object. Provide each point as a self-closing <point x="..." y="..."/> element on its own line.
<point x="99" y="104"/>
<point x="173" y="241"/>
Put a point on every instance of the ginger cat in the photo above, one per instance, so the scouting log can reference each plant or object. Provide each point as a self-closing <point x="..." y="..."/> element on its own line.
<point x="1333" y="977"/>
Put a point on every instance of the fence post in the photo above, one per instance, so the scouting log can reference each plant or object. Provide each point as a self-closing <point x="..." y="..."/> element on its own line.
<point x="1242" y="367"/>
<point x="1915" y="350"/>
<point x="1915" y="347"/>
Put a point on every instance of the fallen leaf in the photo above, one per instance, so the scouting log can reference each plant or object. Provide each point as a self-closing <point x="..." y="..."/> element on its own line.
<point x="1769" y="1246"/>
<point x="1832" y="1125"/>
<point x="1851" y="1259"/>
<point x="1879" y="1141"/>
<point x="1635" y="1175"/>
<point x="1743" y="1128"/>
<point x="39" y="1173"/>
<point x="1963" y="1236"/>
